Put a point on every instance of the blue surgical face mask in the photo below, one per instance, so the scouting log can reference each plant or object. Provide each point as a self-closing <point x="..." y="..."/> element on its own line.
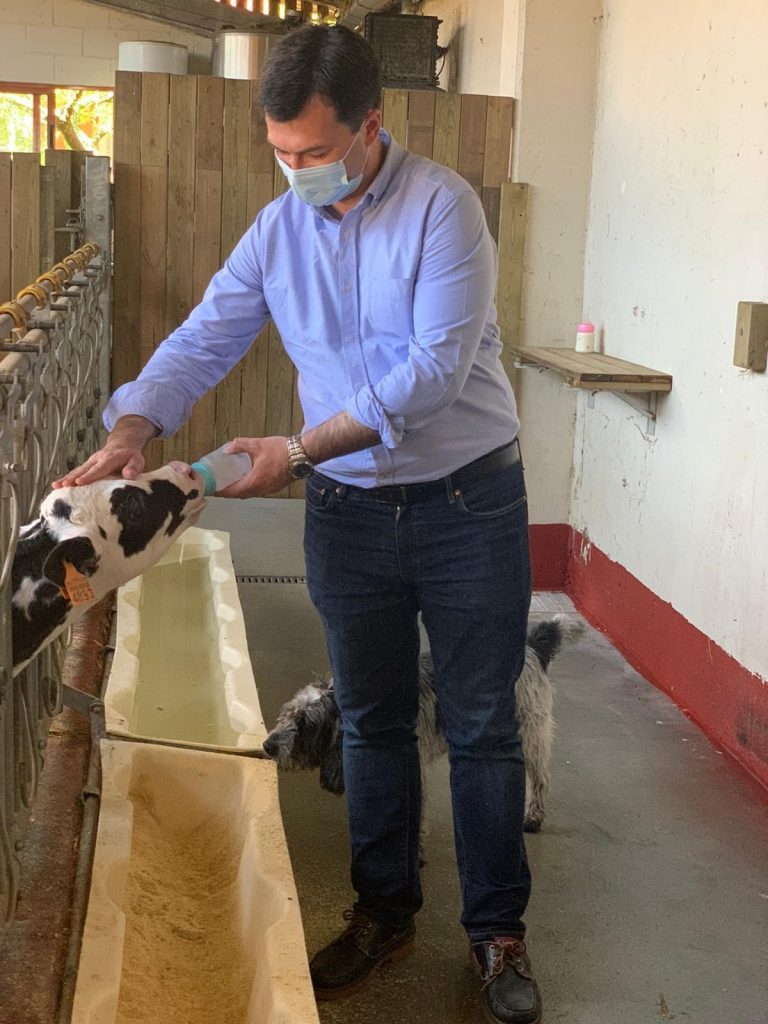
<point x="326" y="184"/>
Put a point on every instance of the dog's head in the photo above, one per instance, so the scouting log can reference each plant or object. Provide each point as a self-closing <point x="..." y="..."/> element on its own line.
<point x="308" y="734"/>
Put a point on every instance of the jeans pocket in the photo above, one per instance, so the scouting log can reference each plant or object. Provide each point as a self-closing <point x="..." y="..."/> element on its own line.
<point x="319" y="496"/>
<point x="493" y="495"/>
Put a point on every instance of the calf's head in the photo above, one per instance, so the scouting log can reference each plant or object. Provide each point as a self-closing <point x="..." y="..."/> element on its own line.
<point x="89" y="540"/>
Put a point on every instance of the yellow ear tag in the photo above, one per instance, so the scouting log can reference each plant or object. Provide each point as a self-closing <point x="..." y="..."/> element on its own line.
<point x="76" y="587"/>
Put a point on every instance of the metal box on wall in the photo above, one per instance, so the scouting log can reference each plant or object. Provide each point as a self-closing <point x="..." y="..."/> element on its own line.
<point x="406" y="47"/>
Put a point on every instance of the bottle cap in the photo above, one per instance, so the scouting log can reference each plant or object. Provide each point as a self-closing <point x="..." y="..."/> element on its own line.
<point x="585" y="328"/>
<point x="208" y="477"/>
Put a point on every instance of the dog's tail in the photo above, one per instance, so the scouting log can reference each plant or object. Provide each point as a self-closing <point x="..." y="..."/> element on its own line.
<point x="546" y="638"/>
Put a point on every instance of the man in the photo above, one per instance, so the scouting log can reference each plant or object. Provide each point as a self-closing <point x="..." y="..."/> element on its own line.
<point x="379" y="272"/>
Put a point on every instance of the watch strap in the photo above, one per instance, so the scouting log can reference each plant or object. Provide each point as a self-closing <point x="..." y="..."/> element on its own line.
<point x="297" y="454"/>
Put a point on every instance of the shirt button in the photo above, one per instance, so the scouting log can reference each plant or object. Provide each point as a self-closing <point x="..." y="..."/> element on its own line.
<point x="347" y="235"/>
<point x="349" y="338"/>
<point x="347" y="287"/>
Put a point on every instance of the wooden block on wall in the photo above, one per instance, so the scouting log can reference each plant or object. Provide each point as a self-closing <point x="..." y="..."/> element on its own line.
<point x="751" y="348"/>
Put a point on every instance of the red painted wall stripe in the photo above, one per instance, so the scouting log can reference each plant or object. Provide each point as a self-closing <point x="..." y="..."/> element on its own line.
<point x="727" y="701"/>
<point x="550" y="549"/>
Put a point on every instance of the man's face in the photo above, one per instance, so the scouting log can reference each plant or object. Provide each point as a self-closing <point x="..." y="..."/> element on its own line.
<point x="315" y="137"/>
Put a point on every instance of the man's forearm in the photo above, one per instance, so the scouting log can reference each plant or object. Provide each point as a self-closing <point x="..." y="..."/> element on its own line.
<point x="338" y="436"/>
<point x="132" y="432"/>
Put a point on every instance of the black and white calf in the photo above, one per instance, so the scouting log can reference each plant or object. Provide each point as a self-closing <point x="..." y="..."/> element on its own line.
<point x="308" y="731"/>
<point x="89" y="540"/>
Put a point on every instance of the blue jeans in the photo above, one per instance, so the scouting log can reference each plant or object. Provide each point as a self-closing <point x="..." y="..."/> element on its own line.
<point x="460" y="558"/>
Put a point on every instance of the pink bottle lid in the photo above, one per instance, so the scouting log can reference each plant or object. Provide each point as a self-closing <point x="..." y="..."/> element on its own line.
<point x="585" y="328"/>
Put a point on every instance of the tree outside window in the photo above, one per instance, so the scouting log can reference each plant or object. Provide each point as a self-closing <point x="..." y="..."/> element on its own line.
<point x="36" y="117"/>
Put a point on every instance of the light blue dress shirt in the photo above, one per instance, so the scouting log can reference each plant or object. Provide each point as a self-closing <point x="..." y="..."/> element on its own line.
<point x="387" y="313"/>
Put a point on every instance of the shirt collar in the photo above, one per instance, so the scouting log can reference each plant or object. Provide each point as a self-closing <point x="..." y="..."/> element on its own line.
<point x="393" y="158"/>
<point x="394" y="154"/>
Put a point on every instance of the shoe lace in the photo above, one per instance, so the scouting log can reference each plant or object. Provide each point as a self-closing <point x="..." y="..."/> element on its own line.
<point x="359" y="923"/>
<point x="503" y="950"/>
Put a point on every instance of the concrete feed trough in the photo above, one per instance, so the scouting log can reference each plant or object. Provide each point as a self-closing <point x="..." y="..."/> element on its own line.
<point x="193" y="914"/>
<point x="181" y="670"/>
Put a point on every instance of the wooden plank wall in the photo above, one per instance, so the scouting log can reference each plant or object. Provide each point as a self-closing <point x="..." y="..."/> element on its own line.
<point x="34" y="198"/>
<point x="192" y="170"/>
<point x="20" y="215"/>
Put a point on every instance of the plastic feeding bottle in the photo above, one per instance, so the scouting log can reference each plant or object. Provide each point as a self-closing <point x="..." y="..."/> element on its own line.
<point x="585" y="337"/>
<point x="221" y="468"/>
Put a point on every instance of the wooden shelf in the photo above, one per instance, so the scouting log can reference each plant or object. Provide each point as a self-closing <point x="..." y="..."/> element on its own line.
<point x="594" y="371"/>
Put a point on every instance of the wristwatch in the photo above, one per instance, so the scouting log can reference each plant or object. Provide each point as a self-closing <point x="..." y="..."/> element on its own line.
<point x="299" y="464"/>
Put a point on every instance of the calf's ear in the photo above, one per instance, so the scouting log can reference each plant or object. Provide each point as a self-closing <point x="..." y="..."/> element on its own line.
<point x="78" y="551"/>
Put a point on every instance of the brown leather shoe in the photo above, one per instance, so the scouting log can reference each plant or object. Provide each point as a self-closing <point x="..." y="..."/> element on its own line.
<point x="509" y="994"/>
<point x="346" y="965"/>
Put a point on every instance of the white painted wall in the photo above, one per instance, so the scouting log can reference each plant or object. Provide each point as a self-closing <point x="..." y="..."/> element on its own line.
<point x="544" y="53"/>
<point x="554" y="86"/>
<point x="677" y="236"/>
<point x="481" y="41"/>
<point x="68" y="42"/>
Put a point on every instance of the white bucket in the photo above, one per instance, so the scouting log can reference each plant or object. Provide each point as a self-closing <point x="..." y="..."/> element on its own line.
<point x="167" y="58"/>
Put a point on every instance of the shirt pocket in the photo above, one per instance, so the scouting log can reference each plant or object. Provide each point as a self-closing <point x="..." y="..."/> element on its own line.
<point x="387" y="306"/>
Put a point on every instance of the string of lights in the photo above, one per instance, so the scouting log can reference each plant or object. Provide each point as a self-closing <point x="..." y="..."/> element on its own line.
<point x="307" y="10"/>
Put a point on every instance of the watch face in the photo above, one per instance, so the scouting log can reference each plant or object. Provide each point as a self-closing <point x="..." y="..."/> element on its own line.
<point x="301" y="470"/>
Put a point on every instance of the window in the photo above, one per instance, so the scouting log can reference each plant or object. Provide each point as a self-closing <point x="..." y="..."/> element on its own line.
<point x="38" y="117"/>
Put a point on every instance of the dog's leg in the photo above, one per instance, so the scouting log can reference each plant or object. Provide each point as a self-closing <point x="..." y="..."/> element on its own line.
<point x="537" y="750"/>
<point x="533" y="696"/>
<point x="423" y="824"/>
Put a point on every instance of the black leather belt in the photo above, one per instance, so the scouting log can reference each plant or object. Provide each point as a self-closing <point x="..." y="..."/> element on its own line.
<point x="493" y="462"/>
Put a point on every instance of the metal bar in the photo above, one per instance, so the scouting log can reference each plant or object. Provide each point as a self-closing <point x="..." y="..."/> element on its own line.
<point x="87" y="849"/>
<point x="643" y="407"/>
<point x="49" y="393"/>
<point x="647" y="408"/>
<point x="211" y="748"/>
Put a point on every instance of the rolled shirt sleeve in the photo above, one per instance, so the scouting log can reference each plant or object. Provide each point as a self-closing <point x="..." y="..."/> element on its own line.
<point x="453" y="296"/>
<point x="199" y="353"/>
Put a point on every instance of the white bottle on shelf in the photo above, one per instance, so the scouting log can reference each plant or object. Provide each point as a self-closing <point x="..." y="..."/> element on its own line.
<point x="585" y="337"/>
<point x="221" y="468"/>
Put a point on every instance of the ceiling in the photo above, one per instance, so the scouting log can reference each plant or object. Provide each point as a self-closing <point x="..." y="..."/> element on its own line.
<point x="202" y="16"/>
<point x="206" y="17"/>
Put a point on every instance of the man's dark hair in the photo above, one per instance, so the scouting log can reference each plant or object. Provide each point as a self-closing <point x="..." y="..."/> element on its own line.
<point x="328" y="61"/>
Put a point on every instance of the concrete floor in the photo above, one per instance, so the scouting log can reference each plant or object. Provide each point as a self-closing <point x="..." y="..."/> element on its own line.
<point x="650" y="897"/>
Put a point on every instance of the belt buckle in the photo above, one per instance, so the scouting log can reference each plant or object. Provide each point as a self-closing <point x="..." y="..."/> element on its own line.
<point x="390" y="494"/>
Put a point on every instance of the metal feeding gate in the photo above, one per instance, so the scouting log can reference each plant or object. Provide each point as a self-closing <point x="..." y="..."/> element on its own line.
<point x="54" y="378"/>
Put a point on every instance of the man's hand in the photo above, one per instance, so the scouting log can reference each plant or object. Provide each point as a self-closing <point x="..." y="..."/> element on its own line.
<point x="339" y="435"/>
<point x="121" y="454"/>
<point x="270" y="472"/>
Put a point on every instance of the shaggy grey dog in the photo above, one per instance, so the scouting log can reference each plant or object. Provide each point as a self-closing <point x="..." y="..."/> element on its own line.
<point x="308" y="731"/>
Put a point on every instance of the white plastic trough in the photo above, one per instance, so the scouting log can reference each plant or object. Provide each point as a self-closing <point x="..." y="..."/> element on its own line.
<point x="193" y="916"/>
<point x="181" y="670"/>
